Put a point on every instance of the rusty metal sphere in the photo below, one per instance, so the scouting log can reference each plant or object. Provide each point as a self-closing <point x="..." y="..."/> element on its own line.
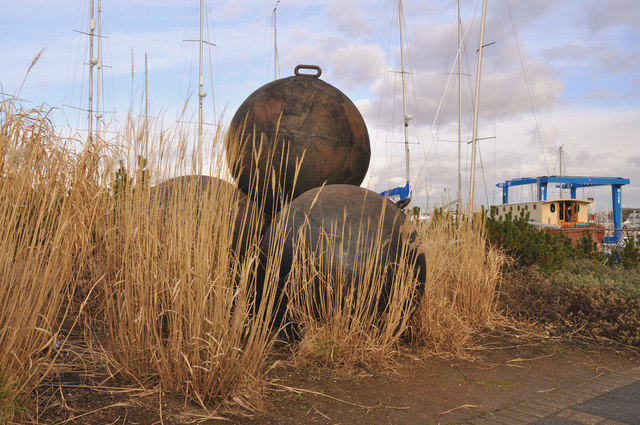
<point x="307" y="119"/>
<point x="193" y="191"/>
<point x="362" y="223"/>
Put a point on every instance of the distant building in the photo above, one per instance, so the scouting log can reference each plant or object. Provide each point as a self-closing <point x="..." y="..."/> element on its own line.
<point x="555" y="212"/>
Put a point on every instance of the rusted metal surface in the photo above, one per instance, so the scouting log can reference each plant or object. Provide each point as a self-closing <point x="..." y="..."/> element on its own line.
<point x="306" y="118"/>
<point x="353" y="221"/>
<point x="194" y="191"/>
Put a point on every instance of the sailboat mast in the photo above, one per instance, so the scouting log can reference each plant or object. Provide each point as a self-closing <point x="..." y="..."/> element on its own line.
<point x="459" y="203"/>
<point x="475" y="109"/>
<point x="146" y="110"/>
<point x="560" y="167"/>
<point x="92" y="62"/>
<point x="98" y="62"/>
<point x="201" y="92"/>
<point x="275" y="43"/>
<point x="404" y="97"/>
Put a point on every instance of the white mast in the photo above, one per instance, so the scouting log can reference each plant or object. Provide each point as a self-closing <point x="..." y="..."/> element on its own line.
<point x="275" y="43"/>
<point x="404" y="98"/>
<point x="475" y="109"/>
<point x="98" y="62"/>
<point x="459" y="203"/>
<point x="560" y="167"/>
<point x="201" y="94"/>
<point x="146" y="110"/>
<point x="92" y="62"/>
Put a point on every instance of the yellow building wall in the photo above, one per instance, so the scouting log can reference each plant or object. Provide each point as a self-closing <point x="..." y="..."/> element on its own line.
<point x="540" y="211"/>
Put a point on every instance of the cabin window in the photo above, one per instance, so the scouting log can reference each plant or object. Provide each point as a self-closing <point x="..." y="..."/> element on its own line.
<point x="577" y="208"/>
<point x="510" y="208"/>
<point x="504" y="209"/>
<point x="553" y="208"/>
<point x="518" y="207"/>
<point x="534" y="206"/>
<point x="526" y="207"/>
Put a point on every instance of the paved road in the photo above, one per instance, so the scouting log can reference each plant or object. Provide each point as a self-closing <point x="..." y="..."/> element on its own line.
<point x="607" y="400"/>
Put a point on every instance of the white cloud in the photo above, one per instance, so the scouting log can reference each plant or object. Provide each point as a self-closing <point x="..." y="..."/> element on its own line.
<point x="348" y="16"/>
<point x="599" y="15"/>
<point x="356" y="65"/>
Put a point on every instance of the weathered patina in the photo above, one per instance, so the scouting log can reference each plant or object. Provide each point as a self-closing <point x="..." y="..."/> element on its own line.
<point x="299" y="118"/>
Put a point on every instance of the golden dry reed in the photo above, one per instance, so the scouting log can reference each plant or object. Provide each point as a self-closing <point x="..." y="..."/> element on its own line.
<point x="48" y="210"/>
<point x="180" y="285"/>
<point x="171" y="276"/>
<point x="351" y="315"/>
<point x="463" y="275"/>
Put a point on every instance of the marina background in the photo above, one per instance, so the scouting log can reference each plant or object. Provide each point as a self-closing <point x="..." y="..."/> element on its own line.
<point x="560" y="74"/>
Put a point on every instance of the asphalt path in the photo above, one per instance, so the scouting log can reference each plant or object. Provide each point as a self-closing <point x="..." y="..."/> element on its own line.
<point x="621" y="405"/>
<point x="606" y="400"/>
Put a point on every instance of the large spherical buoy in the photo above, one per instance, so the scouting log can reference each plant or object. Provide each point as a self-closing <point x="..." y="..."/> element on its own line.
<point x="188" y="194"/>
<point x="363" y="226"/>
<point x="299" y="118"/>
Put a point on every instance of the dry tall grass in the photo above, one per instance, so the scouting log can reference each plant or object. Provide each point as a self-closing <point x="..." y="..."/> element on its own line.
<point x="47" y="212"/>
<point x="167" y="285"/>
<point x="349" y="290"/>
<point x="463" y="275"/>
<point x="350" y="302"/>
<point x="165" y="282"/>
<point x="179" y="299"/>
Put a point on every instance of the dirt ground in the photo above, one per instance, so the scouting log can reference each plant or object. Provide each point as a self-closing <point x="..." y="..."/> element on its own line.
<point x="507" y="368"/>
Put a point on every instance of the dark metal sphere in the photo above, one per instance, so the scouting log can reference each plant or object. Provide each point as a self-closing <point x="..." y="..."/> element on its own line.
<point x="309" y="120"/>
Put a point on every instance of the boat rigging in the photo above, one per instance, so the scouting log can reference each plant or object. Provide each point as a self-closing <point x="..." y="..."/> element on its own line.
<point x="404" y="192"/>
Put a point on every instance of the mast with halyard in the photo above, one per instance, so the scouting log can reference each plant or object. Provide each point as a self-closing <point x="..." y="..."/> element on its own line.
<point x="201" y="93"/>
<point x="93" y="108"/>
<point x="403" y="191"/>
<point x="474" y="140"/>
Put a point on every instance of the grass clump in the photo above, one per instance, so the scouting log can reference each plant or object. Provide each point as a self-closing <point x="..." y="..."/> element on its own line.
<point x="179" y="293"/>
<point x="463" y="273"/>
<point x="361" y="319"/>
<point x="350" y="316"/>
<point x="46" y="217"/>
<point x="169" y="291"/>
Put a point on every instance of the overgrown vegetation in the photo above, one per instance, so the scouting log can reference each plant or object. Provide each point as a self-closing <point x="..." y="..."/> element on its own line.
<point x="165" y="296"/>
<point x="569" y="290"/>
<point x="47" y="213"/>
<point x="166" y="284"/>
<point x="350" y="319"/>
<point x="584" y="297"/>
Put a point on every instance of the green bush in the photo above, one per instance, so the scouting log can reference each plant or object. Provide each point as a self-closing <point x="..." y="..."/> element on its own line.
<point x="587" y="248"/>
<point x="629" y="256"/>
<point x="527" y="244"/>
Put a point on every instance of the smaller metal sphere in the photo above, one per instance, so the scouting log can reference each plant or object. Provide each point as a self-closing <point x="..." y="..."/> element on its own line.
<point x="346" y="228"/>
<point x="189" y="194"/>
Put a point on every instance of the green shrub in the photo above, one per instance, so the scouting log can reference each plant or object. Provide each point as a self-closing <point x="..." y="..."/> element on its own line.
<point x="527" y="244"/>
<point x="629" y="255"/>
<point x="588" y="248"/>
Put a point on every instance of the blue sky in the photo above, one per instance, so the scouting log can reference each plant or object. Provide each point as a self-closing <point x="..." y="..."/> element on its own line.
<point x="580" y="58"/>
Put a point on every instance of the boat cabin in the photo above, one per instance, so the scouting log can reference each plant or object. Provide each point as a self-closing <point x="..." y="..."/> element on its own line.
<point x="555" y="212"/>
